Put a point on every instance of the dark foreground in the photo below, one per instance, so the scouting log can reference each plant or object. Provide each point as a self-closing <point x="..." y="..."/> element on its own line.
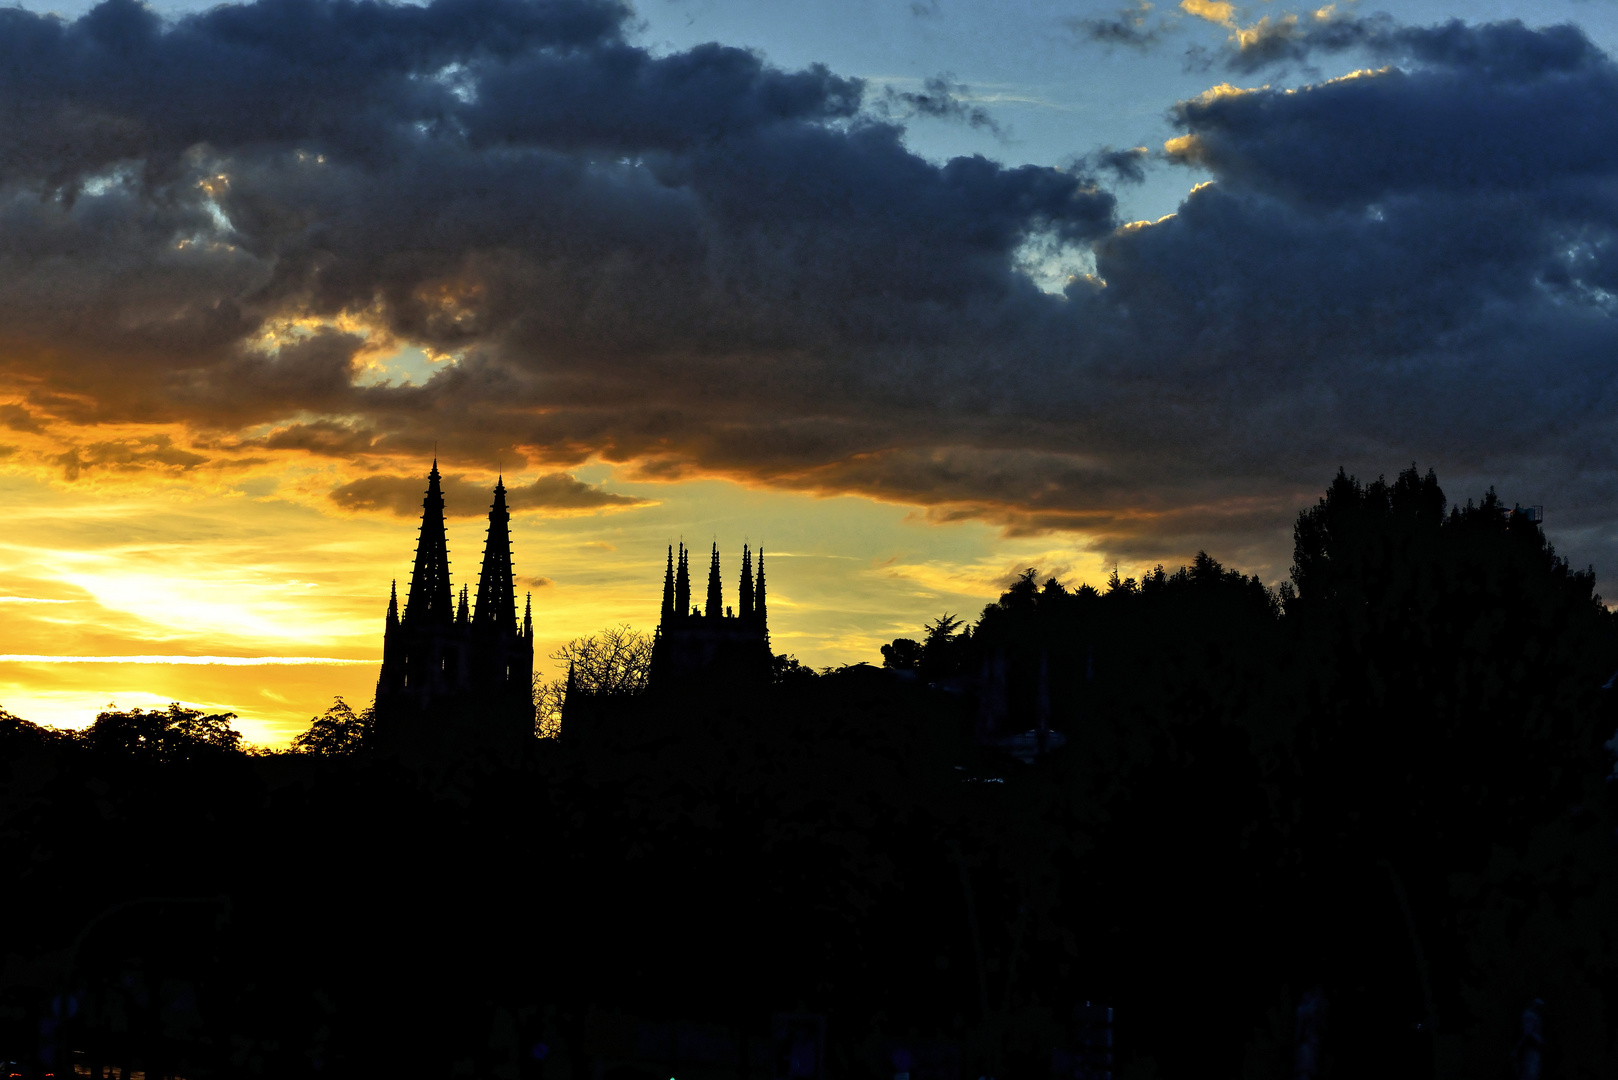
<point x="1371" y="817"/>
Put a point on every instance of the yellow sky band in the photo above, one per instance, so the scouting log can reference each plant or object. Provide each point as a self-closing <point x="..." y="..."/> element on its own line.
<point x="224" y="661"/>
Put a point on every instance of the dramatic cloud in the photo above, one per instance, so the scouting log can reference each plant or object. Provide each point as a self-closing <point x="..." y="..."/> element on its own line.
<point x="402" y="495"/>
<point x="1503" y="50"/>
<point x="698" y="264"/>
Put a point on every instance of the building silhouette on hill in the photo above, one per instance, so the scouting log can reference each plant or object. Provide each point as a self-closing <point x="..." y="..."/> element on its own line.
<point x="714" y="645"/>
<point x="447" y="666"/>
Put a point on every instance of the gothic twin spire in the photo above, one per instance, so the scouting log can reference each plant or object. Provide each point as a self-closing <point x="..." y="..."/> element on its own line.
<point x="431" y="600"/>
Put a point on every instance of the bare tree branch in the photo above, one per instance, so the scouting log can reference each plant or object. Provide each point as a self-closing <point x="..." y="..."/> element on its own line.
<point x="615" y="662"/>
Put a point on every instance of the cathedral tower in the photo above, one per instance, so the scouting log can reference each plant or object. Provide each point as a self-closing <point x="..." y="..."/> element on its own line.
<point x="503" y="652"/>
<point x="715" y="647"/>
<point x="444" y="665"/>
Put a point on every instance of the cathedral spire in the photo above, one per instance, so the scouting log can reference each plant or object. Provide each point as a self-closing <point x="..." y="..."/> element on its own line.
<point x="744" y="603"/>
<point x="716" y="595"/>
<point x="528" y="617"/>
<point x="497" y="594"/>
<point x="667" y="614"/>
<point x="760" y="612"/>
<point x="461" y="616"/>
<point x="431" y="601"/>
<point x="393" y="603"/>
<point x="682" y="583"/>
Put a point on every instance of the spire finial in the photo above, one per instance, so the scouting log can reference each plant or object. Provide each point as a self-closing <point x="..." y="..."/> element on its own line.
<point x="666" y="613"/>
<point x="716" y="598"/>
<point x="431" y="599"/>
<point x="761" y="614"/>
<point x="682" y="582"/>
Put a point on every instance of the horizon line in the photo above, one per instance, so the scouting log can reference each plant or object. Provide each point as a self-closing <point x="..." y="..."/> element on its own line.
<point x="222" y="661"/>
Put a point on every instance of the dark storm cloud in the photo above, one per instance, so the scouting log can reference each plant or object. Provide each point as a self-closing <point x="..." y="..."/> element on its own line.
<point x="698" y="263"/>
<point x="1424" y="254"/>
<point x="119" y="85"/>
<point x="1440" y="134"/>
<point x="402" y="495"/>
<point x="618" y="99"/>
<point x="1505" y="50"/>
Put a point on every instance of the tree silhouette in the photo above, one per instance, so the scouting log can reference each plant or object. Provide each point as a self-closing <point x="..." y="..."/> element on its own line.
<point x="613" y="663"/>
<point x="337" y="732"/>
<point x="171" y="735"/>
<point x="903" y="654"/>
<point x="19" y="736"/>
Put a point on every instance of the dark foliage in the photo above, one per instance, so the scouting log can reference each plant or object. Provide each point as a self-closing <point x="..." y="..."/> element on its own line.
<point x="337" y="732"/>
<point x="173" y="735"/>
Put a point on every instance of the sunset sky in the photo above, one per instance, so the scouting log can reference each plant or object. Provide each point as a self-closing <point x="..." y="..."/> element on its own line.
<point x="912" y="293"/>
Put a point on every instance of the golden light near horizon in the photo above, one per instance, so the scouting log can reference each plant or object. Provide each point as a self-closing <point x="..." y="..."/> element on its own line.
<point x="264" y="602"/>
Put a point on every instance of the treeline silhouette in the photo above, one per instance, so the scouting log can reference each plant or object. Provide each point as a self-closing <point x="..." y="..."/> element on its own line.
<point x="1359" y="824"/>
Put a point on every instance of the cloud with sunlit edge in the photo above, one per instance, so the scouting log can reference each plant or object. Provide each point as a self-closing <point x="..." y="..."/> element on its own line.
<point x="700" y="264"/>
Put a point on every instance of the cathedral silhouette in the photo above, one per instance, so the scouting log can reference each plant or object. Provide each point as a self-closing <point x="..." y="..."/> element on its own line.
<point x="714" y="642"/>
<point x="448" y="667"/>
<point x="700" y="655"/>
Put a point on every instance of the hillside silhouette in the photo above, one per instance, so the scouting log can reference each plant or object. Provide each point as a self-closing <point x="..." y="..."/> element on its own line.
<point x="1356" y="824"/>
